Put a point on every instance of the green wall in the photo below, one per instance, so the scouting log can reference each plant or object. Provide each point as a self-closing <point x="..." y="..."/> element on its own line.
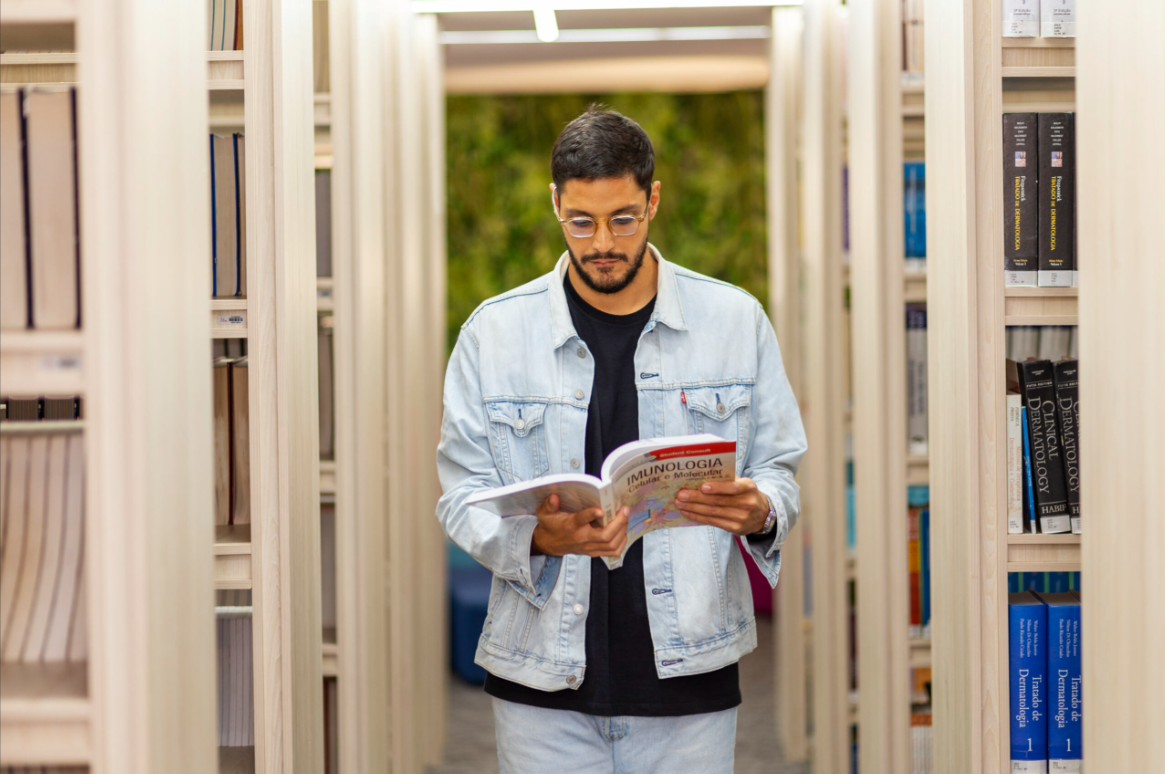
<point x="709" y="155"/>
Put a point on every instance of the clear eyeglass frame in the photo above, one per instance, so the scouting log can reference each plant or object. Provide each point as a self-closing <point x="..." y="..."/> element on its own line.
<point x="620" y="225"/>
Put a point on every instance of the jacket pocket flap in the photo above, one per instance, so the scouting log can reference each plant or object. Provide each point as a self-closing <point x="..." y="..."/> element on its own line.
<point x="717" y="402"/>
<point x="522" y="417"/>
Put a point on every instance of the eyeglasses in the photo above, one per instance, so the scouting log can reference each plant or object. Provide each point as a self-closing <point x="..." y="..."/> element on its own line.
<point x="585" y="228"/>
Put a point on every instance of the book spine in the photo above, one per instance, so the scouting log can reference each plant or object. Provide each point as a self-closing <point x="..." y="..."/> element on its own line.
<point x="1068" y="406"/>
<point x="1046" y="460"/>
<point x="1021" y="199"/>
<point x="213" y="216"/>
<point x="1021" y="18"/>
<point x="1057" y="153"/>
<point x="1028" y="663"/>
<point x="914" y="564"/>
<point x="1014" y="464"/>
<point x="924" y="542"/>
<point x="1066" y="726"/>
<point x="917" y="429"/>
<point x="914" y="212"/>
<point x="1057" y="18"/>
<point x="1030" y="499"/>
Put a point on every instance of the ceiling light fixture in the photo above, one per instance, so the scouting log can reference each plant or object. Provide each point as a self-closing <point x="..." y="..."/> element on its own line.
<point x="609" y="35"/>
<point x="496" y="6"/>
<point x="545" y="24"/>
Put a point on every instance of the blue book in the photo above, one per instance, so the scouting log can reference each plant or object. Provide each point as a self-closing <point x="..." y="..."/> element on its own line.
<point x="1029" y="491"/>
<point x="1028" y="665"/>
<point x="914" y="208"/>
<point x="851" y="524"/>
<point x="1013" y="582"/>
<point x="1066" y="721"/>
<point x="1059" y="582"/>
<point x="213" y="227"/>
<point x="924" y="539"/>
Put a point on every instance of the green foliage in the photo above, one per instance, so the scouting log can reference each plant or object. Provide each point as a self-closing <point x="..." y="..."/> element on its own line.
<point x="709" y="155"/>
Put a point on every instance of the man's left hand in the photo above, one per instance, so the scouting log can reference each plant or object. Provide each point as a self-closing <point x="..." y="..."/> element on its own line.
<point x="734" y="506"/>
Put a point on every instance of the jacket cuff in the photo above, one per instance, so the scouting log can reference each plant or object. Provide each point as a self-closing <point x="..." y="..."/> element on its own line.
<point x="536" y="574"/>
<point x="766" y="549"/>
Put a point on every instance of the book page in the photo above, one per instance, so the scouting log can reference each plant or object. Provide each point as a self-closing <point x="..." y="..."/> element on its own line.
<point x="648" y="481"/>
<point x="575" y="493"/>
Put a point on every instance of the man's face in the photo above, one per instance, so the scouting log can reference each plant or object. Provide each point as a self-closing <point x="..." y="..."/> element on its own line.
<point x="607" y="263"/>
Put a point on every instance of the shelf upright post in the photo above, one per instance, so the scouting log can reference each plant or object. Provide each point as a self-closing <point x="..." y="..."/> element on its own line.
<point x="822" y="379"/>
<point x="879" y="351"/>
<point x="148" y="542"/>
<point x="966" y="351"/>
<point x="782" y="121"/>
<point x="1121" y="96"/>
<point x="282" y="352"/>
<point x="357" y="42"/>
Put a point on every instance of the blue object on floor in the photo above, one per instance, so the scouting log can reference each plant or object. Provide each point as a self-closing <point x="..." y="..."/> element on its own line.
<point x="468" y="601"/>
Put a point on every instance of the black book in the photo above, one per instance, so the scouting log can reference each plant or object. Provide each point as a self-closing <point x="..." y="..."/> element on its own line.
<point x="1057" y="144"/>
<point x="1037" y="385"/>
<point x="1021" y="249"/>
<point x="1068" y="406"/>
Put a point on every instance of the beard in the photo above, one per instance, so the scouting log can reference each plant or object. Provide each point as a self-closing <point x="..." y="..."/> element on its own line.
<point x="607" y="280"/>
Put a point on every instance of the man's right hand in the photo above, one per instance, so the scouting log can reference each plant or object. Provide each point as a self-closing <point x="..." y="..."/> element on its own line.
<point x="559" y="533"/>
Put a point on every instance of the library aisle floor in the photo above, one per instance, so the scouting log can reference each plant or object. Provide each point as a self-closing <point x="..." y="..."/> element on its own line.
<point x="470" y="747"/>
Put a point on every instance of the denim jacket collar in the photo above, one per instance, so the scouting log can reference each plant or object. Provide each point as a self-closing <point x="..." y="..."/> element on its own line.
<point x="667" y="300"/>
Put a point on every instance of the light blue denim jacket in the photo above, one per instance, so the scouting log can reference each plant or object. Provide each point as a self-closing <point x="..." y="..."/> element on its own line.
<point x="516" y="395"/>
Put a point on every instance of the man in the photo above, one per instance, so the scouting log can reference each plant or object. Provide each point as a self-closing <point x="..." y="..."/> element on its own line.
<point x="635" y="669"/>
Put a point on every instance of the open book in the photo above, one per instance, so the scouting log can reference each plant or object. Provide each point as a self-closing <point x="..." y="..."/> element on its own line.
<point x="645" y="476"/>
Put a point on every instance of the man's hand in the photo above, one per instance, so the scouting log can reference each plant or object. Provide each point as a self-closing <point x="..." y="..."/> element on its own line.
<point x="559" y="533"/>
<point x="734" y="506"/>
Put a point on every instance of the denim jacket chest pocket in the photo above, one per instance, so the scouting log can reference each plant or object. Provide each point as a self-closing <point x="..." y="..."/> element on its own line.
<point x="518" y="438"/>
<point x="723" y="411"/>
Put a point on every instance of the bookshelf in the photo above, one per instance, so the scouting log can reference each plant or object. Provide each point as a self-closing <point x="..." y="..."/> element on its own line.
<point x="1104" y="75"/>
<point x="782" y="120"/>
<point x="147" y="550"/>
<point x="823" y="378"/>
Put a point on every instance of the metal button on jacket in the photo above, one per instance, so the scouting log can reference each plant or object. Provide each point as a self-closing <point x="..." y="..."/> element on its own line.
<point x="571" y="680"/>
<point x="574" y="463"/>
<point x="521" y="423"/>
<point x="582" y="352"/>
<point x="720" y="407"/>
<point x="579" y="394"/>
<point x="578" y="609"/>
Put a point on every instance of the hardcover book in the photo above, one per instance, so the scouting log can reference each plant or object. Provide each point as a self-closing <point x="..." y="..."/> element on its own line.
<point x="918" y="432"/>
<point x="1014" y="464"/>
<point x="1057" y="18"/>
<point x="13" y="247"/>
<point x="1021" y="18"/>
<point x="1068" y="407"/>
<point x="1047" y="466"/>
<point x="1021" y="249"/>
<point x="914" y="214"/>
<point x="323" y="223"/>
<point x="1066" y="711"/>
<point x="1027" y="670"/>
<point x="1029" y="499"/>
<point x="645" y="476"/>
<point x="1057" y="143"/>
<point x="224" y="228"/>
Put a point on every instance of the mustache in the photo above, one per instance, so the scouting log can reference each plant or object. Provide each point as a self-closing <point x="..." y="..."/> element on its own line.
<point x="605" y="257"/>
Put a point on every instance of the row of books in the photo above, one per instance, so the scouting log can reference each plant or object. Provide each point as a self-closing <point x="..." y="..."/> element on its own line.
<point x="42" y="560"/>
<point x="232" y="442"/>
<point x="43" y="409"/>
<point x="225" y="25"/>
<point x="228" y="216"/>
<point x="323" y="222"/>
<point x="1046" y="681"/>
<point x="1039" y="200"/>
<point x="39" y="242"/>
<point x="918" y="559"/>
<point x="914" y="215"/>
<point x="1039" y="18"/>
<point x="327" y="392"/>
<point x="913" y="61"/>
<point x="1043" y="582"/>
<point x="922" y="743"/>
<point x="1043" y="447"/>
<point x="917" y="410"/>
<point x="1042" y="342"/>
<point x="236" y="677"/>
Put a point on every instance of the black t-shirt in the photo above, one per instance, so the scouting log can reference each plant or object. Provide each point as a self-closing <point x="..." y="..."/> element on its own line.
<point x="617" y="622"/>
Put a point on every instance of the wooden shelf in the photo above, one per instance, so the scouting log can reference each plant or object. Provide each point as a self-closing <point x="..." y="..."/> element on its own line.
<point x="322" y="109"/>
<point x="232" y="556"/>
<point x="44" y="714"/>
<point x="38" y="11"/>
<point x="1043" y="553"/>
<point x="228" y="318"/>
<point x="43" y="427"/>
<point x="1038" y="72"/>
<point x="224" y="68"/>
<point x="325" y="294"/>
<point x="920" y="653"/>
<point x="327" y="477"/>
<point x="1040" y="306"/>
<point x="331" y="653"/>
<point x="915" y="292"/>
<point x="917" y="470"/>
<point x="1038" y="43"/>
<point x="42" y="363"/>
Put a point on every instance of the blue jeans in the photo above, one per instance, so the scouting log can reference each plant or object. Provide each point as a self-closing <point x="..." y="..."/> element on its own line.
<point x="532" y="740"/>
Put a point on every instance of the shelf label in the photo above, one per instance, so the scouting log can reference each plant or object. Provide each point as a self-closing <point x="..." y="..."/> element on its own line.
<point x="232" y="320"/>
<point x="324" y="294"/>
<point x="60" y="363"/>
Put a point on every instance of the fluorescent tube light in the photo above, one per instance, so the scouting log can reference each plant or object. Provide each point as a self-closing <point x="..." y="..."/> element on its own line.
<point x="610" y="35"/>
<point x="495" y="6"/>
<point x="545" y="24"/>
